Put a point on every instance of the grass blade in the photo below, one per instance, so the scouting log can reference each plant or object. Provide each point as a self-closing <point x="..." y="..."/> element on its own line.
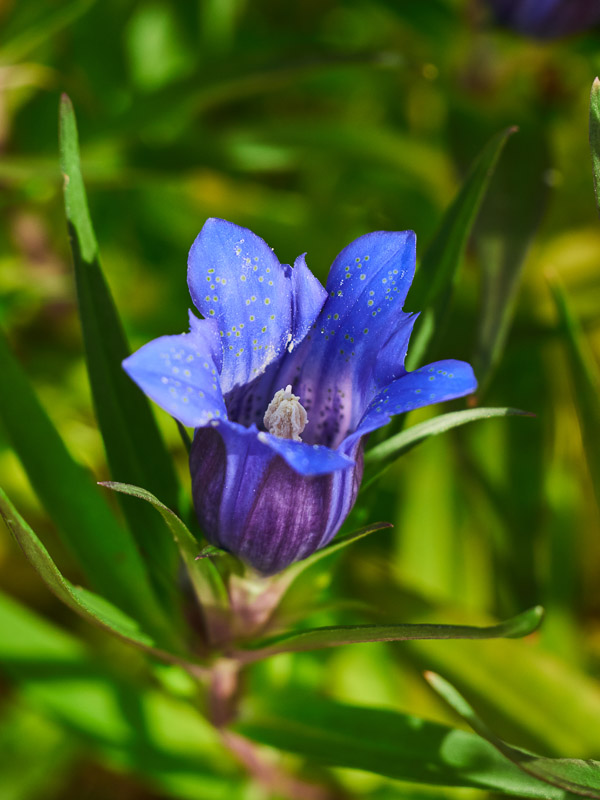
<point x="586" y="380"/>
<point x="384" y="742"/>
<point x="432" y="288"/>
<point x="134" y="448"/>
<point x="334" y="636"/>
<point x="394" y="447"/>
<point x="572" y="775"/>
<point x="595" y="137"/>
<point x="103" y="548"/>
<point x="509" y="218"/>
<point x="90" y="606"/>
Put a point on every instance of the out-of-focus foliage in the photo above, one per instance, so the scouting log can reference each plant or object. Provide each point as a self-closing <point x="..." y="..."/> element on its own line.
<point x="311" y="123"/>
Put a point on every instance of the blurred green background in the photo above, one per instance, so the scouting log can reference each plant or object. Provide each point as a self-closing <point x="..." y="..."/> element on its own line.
<point x="312" y="123"/>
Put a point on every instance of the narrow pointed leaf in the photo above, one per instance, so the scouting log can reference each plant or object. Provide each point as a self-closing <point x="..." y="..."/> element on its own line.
<point x="572" y="775"/>
<point x="402" y="442"/>
<point x="384" y="742"/>
<point x="507" y="224"/>
<point x="103" y="548"/>
<point x="134" y="447"/>
<point x="439" y="270"/>
<point x="92" y="607"/>
<point x="595" y="137"/>
<point x="333" y="636"/>
<point x="586" y="380"/>
<point x="205" y="577"/>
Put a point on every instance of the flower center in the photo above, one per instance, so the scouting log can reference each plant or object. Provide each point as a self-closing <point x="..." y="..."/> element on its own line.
<point x="286" y="416"/>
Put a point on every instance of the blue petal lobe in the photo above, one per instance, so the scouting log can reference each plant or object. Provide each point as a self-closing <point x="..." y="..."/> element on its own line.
<point x="360" y="337"/>
<point x="180" y="375"/>
<point x="307" y="459"/>
<point x="308" y="296"/>
<point x="235" y="278"/>
<point x="433" y="383"/>
<point x="304" y="458"/>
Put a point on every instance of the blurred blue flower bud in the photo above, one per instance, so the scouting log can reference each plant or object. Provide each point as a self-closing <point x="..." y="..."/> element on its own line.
<point x="547" y="19"/>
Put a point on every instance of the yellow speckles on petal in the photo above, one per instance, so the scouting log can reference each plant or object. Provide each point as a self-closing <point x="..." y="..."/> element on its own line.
<point x="210" y="271"/>
<point x="267" y="301"/>
<point x="362" y="276"/>
<point x="243" y="278"/>
<point x="251" y="317"/>
<point x="211" y="312"/>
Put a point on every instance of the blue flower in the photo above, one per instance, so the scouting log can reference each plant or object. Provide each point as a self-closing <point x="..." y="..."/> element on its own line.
<point x="547" y="19"/>
<point x="283" y="380"/>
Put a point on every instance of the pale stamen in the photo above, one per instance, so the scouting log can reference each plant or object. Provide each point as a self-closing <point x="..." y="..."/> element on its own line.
<point x="286" y="416"/>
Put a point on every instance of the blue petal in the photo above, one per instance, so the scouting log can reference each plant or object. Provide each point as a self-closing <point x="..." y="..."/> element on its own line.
<point x="359" y="338"/>
<point x="180" y="375"/>
<point x="235" y="278"/>
<point x="434" y="383"/>
<point x="307" y="459"/>
<point x="253" y="504"/>
<point x="304" y="458"/>
<point x="308" y="296"/>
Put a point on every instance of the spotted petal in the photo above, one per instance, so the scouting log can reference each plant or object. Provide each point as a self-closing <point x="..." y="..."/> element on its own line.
<point x="434" y="383"/>
<point x="308" y="296"/>
<point x="235" y="278"/>
<point x="180" y="374"/>
<point x="359" y="337"/>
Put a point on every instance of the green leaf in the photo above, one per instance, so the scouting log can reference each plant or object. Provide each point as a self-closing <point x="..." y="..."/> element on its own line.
<point x="134" y="448"/>
<point x="47" y="22"/>
<point x="439" y="270"/>
<point x="90" y="606"/>
<point x="125" y="721"/>
<point x="586" y="380"/>
<point x="37" y="756"/>
<point x="385" y="742"/>
<point x="103" y="548"/>
<point x="572" y="775"/>
<point x="508" y="221"/>
<point x="595" y="136"/>
<point x="402" y="442"/>
<point x="335" y="635"/>
<point x="205" y="577"/>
